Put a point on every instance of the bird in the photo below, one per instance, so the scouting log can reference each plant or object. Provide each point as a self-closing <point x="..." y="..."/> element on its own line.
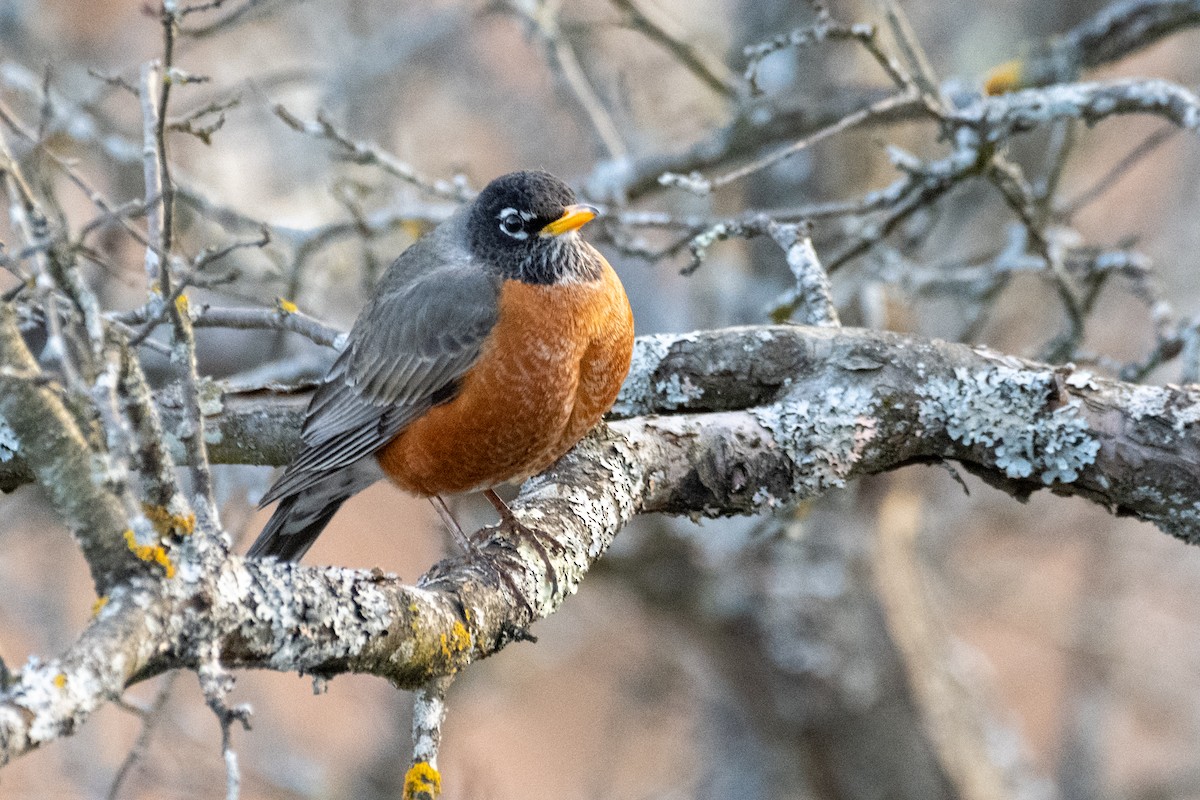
<point x="487" y="350"/>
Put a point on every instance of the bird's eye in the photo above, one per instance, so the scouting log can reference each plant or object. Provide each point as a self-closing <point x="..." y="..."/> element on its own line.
<point x="512" y="222"/>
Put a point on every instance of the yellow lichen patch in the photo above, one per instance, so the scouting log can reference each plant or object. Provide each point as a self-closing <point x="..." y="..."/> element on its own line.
<point x="413" y="228"/>
<point x="149" y="552"/>
<point x="168" y="524"/>
<point x="461" y="637"/>
<point x="60" y="680"/>
<point x="286" y="306"/>
<point x="1003" y="78"/>
<point x="97" y="606"/>
<point x="181" y="304"/>
<point x="456" y="643"/>
<point x="422" y="782"/>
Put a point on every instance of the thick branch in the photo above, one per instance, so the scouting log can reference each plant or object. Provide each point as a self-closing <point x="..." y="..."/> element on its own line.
<point x="998" y="118"/>
<point x="51" y="448"/>
<point x="771" y="415"/>
<point x="51" y="699"/>
<point x="1024" y="425"/>
<point x="1115" y="32"/>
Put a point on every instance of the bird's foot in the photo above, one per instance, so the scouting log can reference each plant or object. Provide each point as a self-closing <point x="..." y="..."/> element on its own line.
<point x="496" y="563"/>
<point x="541" y="541"/>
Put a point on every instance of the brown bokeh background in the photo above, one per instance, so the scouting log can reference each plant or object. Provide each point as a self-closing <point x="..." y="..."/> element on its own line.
<point x="743" y="658"/>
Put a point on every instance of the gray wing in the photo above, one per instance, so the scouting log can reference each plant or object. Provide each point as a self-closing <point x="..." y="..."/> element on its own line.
<point x="412" y="343"/>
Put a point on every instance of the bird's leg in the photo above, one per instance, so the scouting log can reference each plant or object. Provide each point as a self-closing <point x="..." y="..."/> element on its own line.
<point x="443" y="510"/>
<point x="471" y="551"/>
<point x="532" y="535"/>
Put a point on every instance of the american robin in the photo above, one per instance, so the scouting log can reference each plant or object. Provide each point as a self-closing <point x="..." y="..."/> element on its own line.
<point x="490" y="347"/>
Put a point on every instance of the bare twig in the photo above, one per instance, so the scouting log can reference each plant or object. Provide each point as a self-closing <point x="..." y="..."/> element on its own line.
<point x="153" y="176"/>
<point x="151" y="717"/>
<point x="563" y="57"/>
<point x="541" y="17"/>
<point x="1107" y="181"/>
<point x="1007" y="178"/>
<point x="73" y="174"/>
<point x="248" y="11"/>
<point x="363" y="153"/>
<point x="156" y="85"/>
<point x="191" y="123"/>
<point x="824" y="29"/>
<point x="216" y="683"/>
<point x="711" y="72"/>
<point x="1118" y="30"/>
<point x="813" y="292"/>
<point x="918" y="62"/>
<point x="284" y="317"/>
<point x="699" y="185"/>
<point x="423" y="781"/>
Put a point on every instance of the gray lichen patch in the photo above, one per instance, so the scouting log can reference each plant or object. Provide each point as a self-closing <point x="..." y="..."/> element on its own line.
<point x="1004" y="410"/>
<point x="648" y="354"/>
<point x="9" y="444"/>
<point x="1187" y="414"/>
<point x="1147" y="401"/>
<point x="1179" y="516"/>
<point x="825" y="438"/>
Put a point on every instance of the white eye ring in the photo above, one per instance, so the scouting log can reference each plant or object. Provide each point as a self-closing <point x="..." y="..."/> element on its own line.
<point x="512" y="222"/>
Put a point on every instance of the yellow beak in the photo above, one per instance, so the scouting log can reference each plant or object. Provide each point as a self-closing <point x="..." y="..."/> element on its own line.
<point x="573" y="218"/>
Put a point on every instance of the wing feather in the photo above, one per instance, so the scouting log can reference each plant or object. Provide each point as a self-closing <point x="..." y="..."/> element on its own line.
<point x="419" y="335"/>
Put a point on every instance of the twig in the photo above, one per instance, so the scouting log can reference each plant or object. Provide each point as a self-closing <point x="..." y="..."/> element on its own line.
<point x="563" y="56"/>
<point x="116" y="81"/>
<point x="824" y="29"/>
<point x="1110" y="178"/>
<point x="813" y="292"/>
<point x="1006" y="176"/>
<point x="200" y="8"/>
<point x="363" y="153"/>
<point x="151" y="716"/>
<point x="249" y="10"/>
<point x="156" y="84"/>
<point x="711" y="72"/>
<point x="52" y="279"/>
<point x="697" y="184"/>
<point x="1002" y="117"/>
<point x="745" y="136"/>
<point x="216" y="683"/>
<point x="282" y="318"/>
<point x="922" y="74"/>
<point x="153" y="177"/>
<point x="542" y="17"/>
<point x="423" y="781"/>
<point x="190" y="124"/>
<point x="68" y="169"/>
<point x="1118" y="30"/>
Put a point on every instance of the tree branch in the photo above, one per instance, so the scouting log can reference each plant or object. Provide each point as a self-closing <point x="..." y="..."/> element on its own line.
<point x="52" y="448"/>
<point x="784" y="395"/>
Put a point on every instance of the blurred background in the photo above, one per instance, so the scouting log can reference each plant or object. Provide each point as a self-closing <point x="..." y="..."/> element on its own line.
<point x="898" y="639"/>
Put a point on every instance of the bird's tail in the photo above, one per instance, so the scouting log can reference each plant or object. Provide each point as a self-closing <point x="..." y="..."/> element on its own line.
<point x="299" y="518"/>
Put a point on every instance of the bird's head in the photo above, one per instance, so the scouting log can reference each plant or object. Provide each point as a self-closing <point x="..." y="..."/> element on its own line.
<point x="524" y="225"/>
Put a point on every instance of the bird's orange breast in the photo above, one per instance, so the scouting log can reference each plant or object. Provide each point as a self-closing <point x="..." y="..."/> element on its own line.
<point x="550" y="369"/>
